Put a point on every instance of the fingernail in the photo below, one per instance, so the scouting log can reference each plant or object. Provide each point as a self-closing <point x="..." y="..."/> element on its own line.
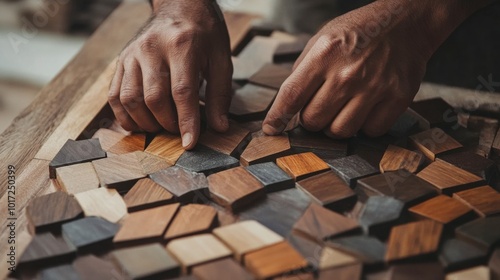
<point x="186" y="139"/>
<point x="270" y="130"/>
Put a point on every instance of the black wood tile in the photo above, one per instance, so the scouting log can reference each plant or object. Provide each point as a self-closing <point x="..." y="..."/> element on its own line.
<point x="484" y="232"/>
<point x="61" y="272"/>
<point x="271" y="176"/>
<point x="74" y="152"/>
<point x="405" y="125"/>
<point x="352" y="168"/>
<point x="185" y="185"/>
<point x="91" y="233"/>
<point x="457" y="254"/>
<point x="379" y="213"/>
<point x="324" y="147"/>
<point x="430" y="270"/>
<point x="368" y="249"/>
<point x="474" y="163"/>
<point x="310" y="250"/>
<point x="205" y="160"/>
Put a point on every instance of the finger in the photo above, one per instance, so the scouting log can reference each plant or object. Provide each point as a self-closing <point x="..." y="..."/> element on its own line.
<point x="306" y="50"/>
<point x="132" y="98"/>
<point x="351" y="118"/>
<point x="323" y="107"/>
<point x="114" y="101"/>
<point x="382" y="117"/>
<point x="218" y="93"/>
<point x="157" y="96"/>
<point x="293" y="95"/>
<point x="185" y="77"/>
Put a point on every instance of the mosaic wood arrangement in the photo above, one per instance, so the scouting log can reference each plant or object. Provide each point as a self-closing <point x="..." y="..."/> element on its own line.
<point x="417" y="203"/>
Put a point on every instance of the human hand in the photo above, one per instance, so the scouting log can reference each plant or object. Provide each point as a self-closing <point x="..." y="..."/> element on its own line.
<point x="157" y="79"/>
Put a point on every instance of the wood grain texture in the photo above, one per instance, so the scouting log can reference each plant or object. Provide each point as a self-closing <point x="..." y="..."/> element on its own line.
<point x="270" y="76"/>
<point x="146" y="262"/>
<point x="436" y="111"/>
<point x="448" y="178"/>
<point x="319" y="223"/>
<point x="396" y="158"/>
<point x="128" y="144"/>
<point x="487" y="135"/>
<point x="102" y="202"/>
<point x="235" y="188"/>
<point x="191" y="219"/>
<point x="352" y="168"/>
<point x="348" y="272"/>
<point x="473" y="163"/>
<point x="434" y="142"/>
<point x="223" y="269"/>
<point x="146" y="194"/>
<point x="208" y="248"/>
<point x="230" y="143"/>
<point x="457" y="254"/>
<point x="90" y="267"/>
<point x="307" y="248"/>
<point x="271" y="176"/>
<point x="369" y="250"/>
<point x="485" y="201"/>
<point x="379" y="213"/>
<point x="478" y="273"/>
<point x="301" y="166"/>
<point x="108" y="138"/>
<point x="401" y="185"/>
<point x="247" y="236"/>
<point x="45" y="249"/>
<point x="166" y="146"/>
<point x="302" y="140"/>
<point x="332" y="258"/>
<point x="413" y="240"/>
<point x="484" y="232"/>
<point x="118" y="171"/>
<point x="77" y="178"/>
<point x="442" y="209"/>
<point x="265" y="148"/>
<point x="90" y="233"/>
<point x="74" y="152"/>
<point x="145" y="226"/>
<point x="185" y="185"/>
<point x="48" y="212"/>
<point x="329" y="190"/>
<point x="251" y="102"/>
<point x="274" y="260"/>
<point x="151" y="163"/>
<point x="205" y="160"/>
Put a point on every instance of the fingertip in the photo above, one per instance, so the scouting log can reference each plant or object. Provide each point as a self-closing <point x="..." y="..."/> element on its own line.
<point x="270" y="130"/>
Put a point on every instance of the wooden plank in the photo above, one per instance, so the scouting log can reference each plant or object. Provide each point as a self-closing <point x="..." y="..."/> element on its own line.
<point x="185" y="185"/>
<point x="484" y="200"/>
<point x="77" y="178"/>
<point x="442" y="209"/>
<point x="205" y="160"/>
<point x="191" y="219"/>
<point x="223" y="269"/>
<point x="263" y="148"/>
<point x="146" y="194"/>
<point x="74" y="152"/>
<point x="102" y="202"/>
<point x="301" y="166"/>
<point x="271" y="176"/>
<point x="434" y="142"/>
<point x="90" y="233"/>
<point x="448" y="178"/>
<point x="396" y="158"/>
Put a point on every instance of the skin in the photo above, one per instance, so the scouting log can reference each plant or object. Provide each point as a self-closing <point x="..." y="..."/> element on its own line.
<point x="358" y="73"/>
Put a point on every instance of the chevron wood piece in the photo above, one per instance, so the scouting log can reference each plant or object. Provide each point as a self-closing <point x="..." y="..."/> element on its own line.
<point x="102" y="202"/>
<point x="271" y="176"/>
<point x="369" y="250"/>
<point x="74" y="152"/>
<point x="247" y="236"/>
<point x="49" y="211"/>
<point x="91" y="233"/>
<point x="484" y="200"/>
<point x="479" y="272"/>
<point x="77" y="178"/>
<point x="396" y="158"/>
<point x="442" y="209"/>
<point x="434" y="142"/>
<point x="145" y="226"/>
<point x="230" y="143"/>
<point x="191" y="219"/>
<point x="120" y="171"/>
<point x="205" y="160"/>
<point x="263" y="148"/>
<point x="184" y="185"/>
<point x="166" y="146"/>
<point x="352" y="168"/>
<point x="128" y="144"/>
<point x="456" y="254"/>
<point x="147" y="194"/>
<point x="224" y="269"/>
<point x="484" y="233"/>
<point x="251" y="102"/>
<point x="301" y="166"/>
<point x="45" y="249"/>
<point x="270" y="76"/>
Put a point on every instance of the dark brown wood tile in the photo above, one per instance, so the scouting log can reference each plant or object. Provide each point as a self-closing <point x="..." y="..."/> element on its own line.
<point x="186" y="186"/>
<point x="74" y="152"/>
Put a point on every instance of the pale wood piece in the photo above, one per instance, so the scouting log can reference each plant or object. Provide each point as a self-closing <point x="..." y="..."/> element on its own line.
<point x="128" y="144"/>
<point x="396" y="158"/>
<point x="146" y="194"/>
<point x="433" y="142"/>
<point x="197" y="249"/>
<point x="258" y="52"/>
<point x="151" y="163"/>
<point x="331" y="258"/>
<point x="448" y="178"/>
<point x="442" y="209"/>
<point x="484" y="200"/>
<point x="191" y="219"/>
<point x="145" y="226"/>
<point x="301" y="166"/>
<point x="108" y="138"/>
<point x="102" y="202"/>
<point x="166" y="146"/>
<point x="477" y="273"/>
<point x="265" y="148"/>
<point x="230" y="142"/>
<point x="238" y="26"/>
<point x="77" y="178"/>
<point x="274" y="260"/>
<point x="247" y="236"/>
<point x="118" y="169"/>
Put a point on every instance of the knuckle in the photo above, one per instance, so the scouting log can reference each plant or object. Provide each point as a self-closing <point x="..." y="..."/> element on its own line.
<point x="129" y="99"/>
<point x="182" y="91"/>
<point x="182" y="38"/>
<point x="311" y="122"/>
<point x="148" y="44"/>
<point x="153" y="98"/>
<point x="326" y="45"/>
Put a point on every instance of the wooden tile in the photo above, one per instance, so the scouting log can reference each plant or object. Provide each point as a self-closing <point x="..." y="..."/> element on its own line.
<point x="64" y="271"/>
<point x="166" y="146"/>
<point x="494" y="264"/>
<point x="129" y="144"/>
<point x="484" y="200"/>
<point x="379" y="213"/>
<point x="437" y="111"/>
<point x="102" y="202"/>
<point x="367" y="249"/>
<point x="44" y="249"/>
<point x="296" y="276"/>
<point x="329" y="190"/>
<point x="108" y="137"/>
<point x="290" y="51"/>
<point x="265" y="148"/>
<point x="208" y="248"/>
<point x="302" y="140"/>
<point x="477" y="273"/>
<point x="90" y="233"/>
<point x="224" y="269"/>
<point x="269" y="211"/>
<point x="456" y="254"/>
<point x="413" y="240"/>
<point x="241" y="24"/>
<point x="191" y="219"/>
<point x="434" y="142"/>
<point x="442" y="209"/>
<point x="274" y="260"/>
<point x="251" y="102"/>
<point x="49" y="211"/>
<point x="319" y="223"/>
<point x="484" y="232"/>
<point x="448" y="178"/>
<point x="473" y="163"/>
<point x="309" y="249"/>
<point x="90" y="267"/>
<point x="405" y="125"/>
<point x="231" y="142"/>
<point x="74" y="152"/>
<point x="247" y="236"/>
<point x="301" y="166"/>
<point x="185" y="185"/>
<point x="257" y="53"/>
<point x="145" y="226"/>
<point x="348" y="272"/>
<point x="205" y="160"/>
<point x="430" y="270"/>
<point x="352" y="168"/>
<point x="147" y="194"/>
<point x="401" y="185"/>
<point x="119" y="171"/>
<point x="146" y="262"/>
<point x="487" y="134"/>
<point x="77" y="178"/>
<point x="271" y="176"/>
<point x="270" y="76"/>
<point x="332" y="258"/>
<point x="235" y="188"/>
<point x="151" y="163"/>
<point x="396" y="158"/>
